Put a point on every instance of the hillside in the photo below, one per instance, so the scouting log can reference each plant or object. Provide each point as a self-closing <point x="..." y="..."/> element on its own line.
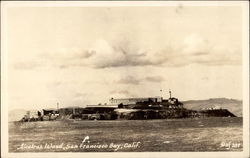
<point x="233" y="105"/>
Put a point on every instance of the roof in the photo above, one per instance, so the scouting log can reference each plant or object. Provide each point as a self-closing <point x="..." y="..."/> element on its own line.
<point x="102" y="106"/>
<point x="137" y="98"/>
<point x="50" y="109"/>
<point x="72" y="107"/>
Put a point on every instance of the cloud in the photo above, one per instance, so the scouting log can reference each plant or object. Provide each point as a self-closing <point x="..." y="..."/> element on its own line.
<point x="117" y="93"/>
<point x="63" y="58"/>
<point x="66" y="58"/>
<point x="80" y="95"/>
<point x="135" y="81"/>
<point x="125" y="92"/>
<point x="195" y="49"/>
<point x="154" y="79"/>
<point x="195" y="44"/>
<point x="206" y="78"/>
<point x="56" y="83"/>
<point x="201" y="51"/>
<point x="101" y="54"/>
<point x="128" y="80"/>
<point x="29" y="65"/>
<point x="107" y="56"/>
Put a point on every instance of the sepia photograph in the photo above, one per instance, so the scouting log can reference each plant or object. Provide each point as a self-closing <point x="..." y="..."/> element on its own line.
<point x="137" y="79"/>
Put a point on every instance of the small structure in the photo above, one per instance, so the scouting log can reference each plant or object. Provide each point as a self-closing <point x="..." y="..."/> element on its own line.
<point x="49" y="111"/>
<point x="49" y="114"/>
<point x="32" y="115"/>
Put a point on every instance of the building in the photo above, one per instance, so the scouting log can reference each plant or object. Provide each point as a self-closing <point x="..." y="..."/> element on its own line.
<point x="49" y="111"/>
<point x="71" y="110"/>
<point x="129" y="101"/>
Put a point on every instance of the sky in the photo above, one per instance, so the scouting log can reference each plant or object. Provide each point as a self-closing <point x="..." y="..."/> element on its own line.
<point x="85" y="55"/>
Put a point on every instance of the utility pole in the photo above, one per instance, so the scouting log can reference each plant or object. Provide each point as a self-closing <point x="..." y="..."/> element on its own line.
<point x="169" y="93"/>
<point x="57" y="105"/>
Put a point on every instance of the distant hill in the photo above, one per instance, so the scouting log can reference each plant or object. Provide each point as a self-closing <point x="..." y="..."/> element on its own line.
<point x="16" y="115"/>
<point x="233" y="105"/>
